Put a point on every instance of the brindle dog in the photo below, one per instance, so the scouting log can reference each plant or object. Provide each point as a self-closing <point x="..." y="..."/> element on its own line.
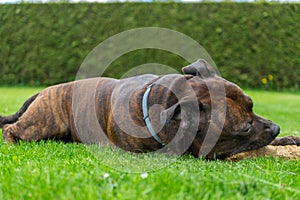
<point x="54" y="114"/>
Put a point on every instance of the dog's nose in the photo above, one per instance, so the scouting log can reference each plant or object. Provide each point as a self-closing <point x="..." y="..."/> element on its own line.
<point x="276" y="131"/>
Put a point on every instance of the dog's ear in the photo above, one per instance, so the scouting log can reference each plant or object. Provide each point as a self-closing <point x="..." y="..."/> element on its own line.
<point x="184" y="111"/>
<point x="168" y="114"/>
<point x="200" y="68"/>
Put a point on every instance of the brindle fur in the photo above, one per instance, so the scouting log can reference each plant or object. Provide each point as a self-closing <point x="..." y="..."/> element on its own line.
<point x="49" y="114"/>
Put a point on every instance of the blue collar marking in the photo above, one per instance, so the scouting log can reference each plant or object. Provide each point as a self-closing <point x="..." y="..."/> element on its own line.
<point x="146" y="117"/>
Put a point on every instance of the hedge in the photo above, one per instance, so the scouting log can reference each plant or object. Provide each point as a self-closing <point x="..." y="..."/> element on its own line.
<point x="254" y="45"/>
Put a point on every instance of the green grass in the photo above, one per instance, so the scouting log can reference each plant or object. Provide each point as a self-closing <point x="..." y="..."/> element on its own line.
<point x="51" y="170"/>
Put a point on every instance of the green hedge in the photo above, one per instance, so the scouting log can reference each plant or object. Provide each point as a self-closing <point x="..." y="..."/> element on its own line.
<point x="44" y="44"/>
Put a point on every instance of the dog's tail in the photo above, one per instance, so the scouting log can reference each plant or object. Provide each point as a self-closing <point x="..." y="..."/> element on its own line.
<point x="13" y="118"/>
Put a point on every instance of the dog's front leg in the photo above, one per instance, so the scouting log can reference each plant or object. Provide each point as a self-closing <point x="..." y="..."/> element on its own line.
<point x="288" y="140"/>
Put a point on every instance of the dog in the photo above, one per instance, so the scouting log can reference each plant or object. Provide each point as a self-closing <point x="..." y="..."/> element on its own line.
<point x="196" y="113"/>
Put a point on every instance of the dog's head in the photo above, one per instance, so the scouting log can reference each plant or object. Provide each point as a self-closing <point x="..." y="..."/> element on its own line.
<point x="227" y="124"/>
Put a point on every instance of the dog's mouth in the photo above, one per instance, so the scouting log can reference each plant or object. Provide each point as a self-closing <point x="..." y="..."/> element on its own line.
<point x="223" y="156"/>
<point x="256" y="141"/>
<point x="243" y="148"/>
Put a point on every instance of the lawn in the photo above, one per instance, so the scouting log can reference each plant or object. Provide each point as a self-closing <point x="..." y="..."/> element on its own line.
<point x="52" y="170"/>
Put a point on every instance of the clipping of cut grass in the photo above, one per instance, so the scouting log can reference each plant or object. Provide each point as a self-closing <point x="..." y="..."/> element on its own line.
<point x="54" y="170"/>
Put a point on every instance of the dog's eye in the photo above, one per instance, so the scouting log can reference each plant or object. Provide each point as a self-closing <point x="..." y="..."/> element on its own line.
<point x="250" y="122"/>
<point x="246" y="130"/>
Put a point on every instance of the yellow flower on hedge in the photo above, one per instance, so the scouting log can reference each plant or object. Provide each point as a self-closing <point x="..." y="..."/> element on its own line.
<point x="264" y="81"/>
<point x="270" y="77"/>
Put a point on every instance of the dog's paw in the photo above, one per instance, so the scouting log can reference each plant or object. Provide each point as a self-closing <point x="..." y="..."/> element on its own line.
<point x="289" y="152"/>
<point x="288" y="140"/>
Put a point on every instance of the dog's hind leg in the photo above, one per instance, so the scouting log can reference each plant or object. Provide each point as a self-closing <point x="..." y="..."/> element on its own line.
<point x="13" y="132"/>
<point x="46" y="118"/>
<point x="9" y="133"/>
